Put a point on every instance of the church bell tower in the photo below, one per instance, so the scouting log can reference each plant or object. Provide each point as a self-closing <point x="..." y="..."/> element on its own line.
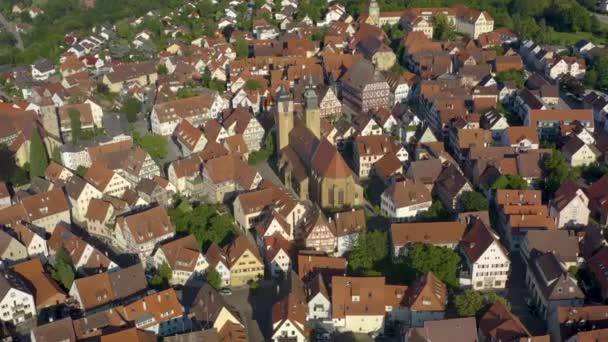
<point x="284" y="117"/>
<point x="313" y="115"/>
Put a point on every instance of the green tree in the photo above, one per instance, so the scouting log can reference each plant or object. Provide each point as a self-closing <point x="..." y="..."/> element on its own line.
<point x="252" y="84"/>
<point x="472" y="201"/>
<point x="214" y="279"/>
<point x="443" y="29"/>
<point x="56" y="155"/>
<point x="75" y="125"/>
<point x="474" y="303"/>
<point x="436" y="212"/>
<point x="442" y="261"/>
<point x="155" y="145"/>
<point x="8" y="167"/>
<point x="599" y="74"/>
<point x="131" y="108"/>
<point x="265" y="153"/>
<point x="39" y="160"/>
<point x="204" y="222"/>
<point x="241" y="47"/>
<point x="162" y="278"/>
<point x="186" y="92"/>
<point x="516" y="76"/>
<point x="81" y="170"/>
<point x="514" y="182"/>
<point x="557" y="171"/>
<point x="370" y="249"/>
<point x="63" y="269"/>
<point x="162" y="69"/>
<point x="123" y="29"/>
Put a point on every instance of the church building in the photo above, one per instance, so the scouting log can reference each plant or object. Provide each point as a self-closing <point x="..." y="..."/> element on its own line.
<point x="308" y="163"/>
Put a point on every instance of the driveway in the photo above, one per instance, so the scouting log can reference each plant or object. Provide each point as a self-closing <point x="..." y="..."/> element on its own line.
<point x="517" y="293"/>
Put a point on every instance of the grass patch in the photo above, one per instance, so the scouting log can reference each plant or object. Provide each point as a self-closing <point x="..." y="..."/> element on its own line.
<point x="570" y="38"/>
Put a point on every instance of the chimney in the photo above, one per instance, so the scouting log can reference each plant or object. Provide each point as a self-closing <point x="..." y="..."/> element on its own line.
<point x="145" y="305"/>
<point x="158" y="297"/>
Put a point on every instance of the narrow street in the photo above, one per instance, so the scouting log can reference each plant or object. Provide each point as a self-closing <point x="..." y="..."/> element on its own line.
<point x="517" y="294"/>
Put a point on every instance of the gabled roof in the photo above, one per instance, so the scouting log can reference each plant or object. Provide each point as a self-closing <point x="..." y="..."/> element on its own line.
<point x="428" y="294"/>
<point x="60" y="330"/>
<point x="451" y="181"/>
<point x="408" y="192"/>
<point x="518" y="197"/>
<point x="349" y="222"/>
<point x="45" y="204"/>
<point x="237" y="247"/>
<point x="147" y="225"/>
<point x="46" y="290"/>
<point x="426" y="232"/>
<point x="562" y="243"/>
<point x="311" y="265"/>
<point x="357" y="296"/>
<point x="131" y="334"/>
<point x="477" y="240"/>
<point x="498" y="323"/>
<point x="208" y="304"/>
<point x="157" y="308"/>
<point x="182" y="253"/>
<point x="567" y="192"/>
<point x="327" y="162"/>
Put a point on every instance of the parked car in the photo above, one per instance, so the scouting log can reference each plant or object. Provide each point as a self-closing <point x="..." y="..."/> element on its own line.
<point x="225" y="291"/>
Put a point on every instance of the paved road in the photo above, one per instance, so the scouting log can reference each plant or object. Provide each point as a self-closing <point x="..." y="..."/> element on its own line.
<point x="11" y="28"/>
<point x="602" y="18"/>
<point x="255" y="309"/>
<point x="516" y="294"/>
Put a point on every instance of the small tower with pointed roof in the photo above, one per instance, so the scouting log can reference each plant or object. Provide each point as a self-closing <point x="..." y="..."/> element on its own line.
<point x="284" y="117"/>
<point x="313" y="115"/>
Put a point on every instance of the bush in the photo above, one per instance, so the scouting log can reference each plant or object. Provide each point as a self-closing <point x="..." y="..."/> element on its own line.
<point x="39" y="160"/>
<point x="473" y="201"/>
<point x="474" y="303"/>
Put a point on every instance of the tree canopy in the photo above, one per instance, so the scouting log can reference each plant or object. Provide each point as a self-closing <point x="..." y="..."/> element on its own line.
<point x="371" y="248"/>
<point x="443" y="29"/>
<point x="241" y="47"/>
<point x="474" y="303"/>
<point x="214" y="279"/>
<point x="516" y="76"/>
<point x="265" y="153"/>
<point x="162" y="277"/>
<point x="156" y="145"/>
<point x="557" y="171"/>
<point x="514" y="182"/>
<point x="473" y="201"/>
<point x="39" y="159"/>
<point x="442" y="261"/>
<point x="204" y="222"/>
<point x="436" y="212"/>
<point x="63" y="269"/>
<point x="75" y="125"/>
<point x="131" y="108"/>
<point x="252" y="84"/>
<point x="597" y="76"/>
